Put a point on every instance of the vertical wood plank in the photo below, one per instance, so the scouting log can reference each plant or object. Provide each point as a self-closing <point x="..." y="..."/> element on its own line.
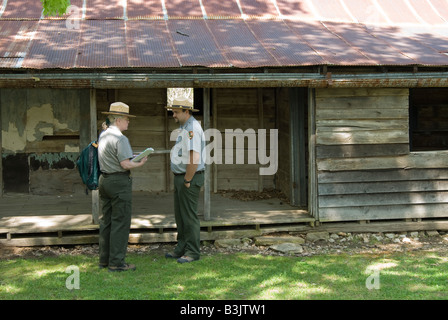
<point x="94" y="136"/>
<point x="293" y="133"/>
<point x="84" y="119"/>
<point x="297" y="132"/>
<point x="260" y="126"/>
<point x="207" y="180"/>
<point x="312" y="167"/>
<point x="301" y="148"/>
<point x="167" y="146"/>
<point x="215" y="125"/>
<point x="283" y="182"/>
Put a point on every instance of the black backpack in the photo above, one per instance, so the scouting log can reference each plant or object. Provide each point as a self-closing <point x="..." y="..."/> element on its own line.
<point x="89" y="167"/>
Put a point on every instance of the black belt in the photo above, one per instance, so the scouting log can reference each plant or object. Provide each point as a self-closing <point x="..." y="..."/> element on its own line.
<point x="126" y="173"/>
<point x="182" y="174"/>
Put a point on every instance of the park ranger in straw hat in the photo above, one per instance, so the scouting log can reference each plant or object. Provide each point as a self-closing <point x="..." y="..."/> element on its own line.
<point x="187" y="164"/>
<point x="115" y="188"/>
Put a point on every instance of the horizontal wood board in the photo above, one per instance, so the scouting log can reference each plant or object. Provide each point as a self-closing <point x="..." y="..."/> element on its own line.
<point x="364" y="166"/>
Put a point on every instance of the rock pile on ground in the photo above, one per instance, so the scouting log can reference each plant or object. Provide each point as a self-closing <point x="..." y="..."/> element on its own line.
<point x="336" y="243"/>
<point x="288" y="244"/>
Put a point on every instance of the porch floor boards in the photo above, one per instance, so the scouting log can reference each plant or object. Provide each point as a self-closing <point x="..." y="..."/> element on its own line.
<point x="27" y="220"/>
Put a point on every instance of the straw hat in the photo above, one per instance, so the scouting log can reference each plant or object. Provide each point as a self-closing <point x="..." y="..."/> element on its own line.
<point x="119" y="108"/>
<point x="181" y="103"/>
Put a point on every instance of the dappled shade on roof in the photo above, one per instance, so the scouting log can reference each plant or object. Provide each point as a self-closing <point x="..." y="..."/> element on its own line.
<point x="220" y="34"/>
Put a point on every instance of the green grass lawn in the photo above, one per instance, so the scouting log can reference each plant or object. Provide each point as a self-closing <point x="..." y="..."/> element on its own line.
<point x="236" y="276"/>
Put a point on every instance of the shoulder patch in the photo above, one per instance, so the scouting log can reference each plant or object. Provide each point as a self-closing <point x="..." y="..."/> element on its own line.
<point x="190" y="134"/>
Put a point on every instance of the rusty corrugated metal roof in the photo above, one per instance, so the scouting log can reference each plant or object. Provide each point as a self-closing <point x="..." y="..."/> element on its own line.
<point x="232" y="33"/>
<point x="148" y="46"/>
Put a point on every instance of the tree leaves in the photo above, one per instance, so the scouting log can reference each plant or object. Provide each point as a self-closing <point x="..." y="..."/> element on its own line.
<point x="55" y="7"/>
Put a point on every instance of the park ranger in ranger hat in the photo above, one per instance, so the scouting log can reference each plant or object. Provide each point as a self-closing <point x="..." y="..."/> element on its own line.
<point x="187" y="164"/>
<point x="115" y="188"/>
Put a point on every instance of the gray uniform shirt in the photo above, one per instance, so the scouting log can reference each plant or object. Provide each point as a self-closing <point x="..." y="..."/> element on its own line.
<point x="113" y="147"/>
<point x="190" y="136"/>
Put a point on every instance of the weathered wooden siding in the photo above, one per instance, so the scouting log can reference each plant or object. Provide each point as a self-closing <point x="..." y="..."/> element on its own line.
<point x="40" y="140"/>
<point x="364" y="168"/>
<point x="244" y="108"/>
<point x="235" y="109"/>
<point x="43" y="131"/>
<point x="283" y="182"/>
<point x="150" y="128"/>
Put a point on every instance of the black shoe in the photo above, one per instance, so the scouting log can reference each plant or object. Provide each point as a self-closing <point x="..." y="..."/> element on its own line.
<point x="124" y="267"/>
<point x="102" y="266"/>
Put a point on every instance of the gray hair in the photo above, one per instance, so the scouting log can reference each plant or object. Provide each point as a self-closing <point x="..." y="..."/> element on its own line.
<point x="113" y="118"/>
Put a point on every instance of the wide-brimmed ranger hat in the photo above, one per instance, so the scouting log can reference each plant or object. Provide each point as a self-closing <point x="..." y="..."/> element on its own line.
<point x="120" y="109"/>
<point x="181" y="103"/>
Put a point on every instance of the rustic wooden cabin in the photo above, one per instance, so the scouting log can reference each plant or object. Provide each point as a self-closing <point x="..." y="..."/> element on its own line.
<point x="357" y="91"/>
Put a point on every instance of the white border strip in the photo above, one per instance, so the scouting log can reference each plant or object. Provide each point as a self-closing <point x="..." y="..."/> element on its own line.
<point x="165" y="12"/>
<point x="204" y="14"/>
<point x="2" y="9"/>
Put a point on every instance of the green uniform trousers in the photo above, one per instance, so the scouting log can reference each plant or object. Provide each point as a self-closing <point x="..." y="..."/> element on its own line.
<point x="186" y="215"/>
<point x="115" y="192"/>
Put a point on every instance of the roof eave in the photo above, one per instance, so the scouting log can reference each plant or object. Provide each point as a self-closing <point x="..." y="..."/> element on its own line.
<point x="224" y="80"/>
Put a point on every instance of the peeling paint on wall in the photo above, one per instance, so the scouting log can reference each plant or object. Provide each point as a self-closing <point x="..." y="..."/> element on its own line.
<point x="48" y="161"/>
<point x="12" y="139"/>
<point x="41" y="128"/>
<point x="72" y="148"/>
<point x="29" y="115"/>
<point x="39" y="122"/>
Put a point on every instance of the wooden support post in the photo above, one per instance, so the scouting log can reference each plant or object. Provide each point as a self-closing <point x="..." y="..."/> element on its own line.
<point x="215" y="126"/>
<point x="301" y="148"/>
<point x="167" y="147"/>
<point x="312" y="167"/>
<point x="207" y="180"/>
<point x="260" y="126"/>
<point x="94" y="136"/>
